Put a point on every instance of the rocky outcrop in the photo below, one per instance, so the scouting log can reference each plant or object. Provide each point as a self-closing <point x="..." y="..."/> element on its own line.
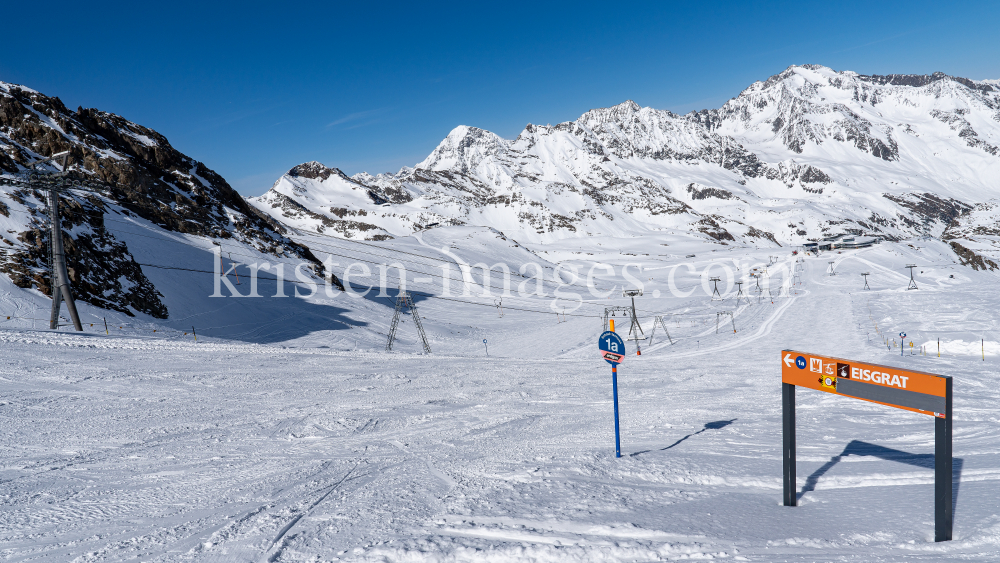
<point x="969" y="258"/>
<point x="136" y="171"/>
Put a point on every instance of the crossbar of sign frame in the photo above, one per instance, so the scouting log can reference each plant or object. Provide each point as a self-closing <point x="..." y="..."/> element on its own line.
<point x="916" y="391"/>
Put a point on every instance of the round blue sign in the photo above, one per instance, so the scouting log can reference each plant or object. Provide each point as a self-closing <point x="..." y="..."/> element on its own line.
<point x="484" y="341"/>
<point x="800" y="362"/>
<point x="902" y="335"/>
<point x="612" y="347"/>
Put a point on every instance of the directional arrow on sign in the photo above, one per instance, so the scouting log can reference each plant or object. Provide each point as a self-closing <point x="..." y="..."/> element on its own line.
<point x="788" y="360"/>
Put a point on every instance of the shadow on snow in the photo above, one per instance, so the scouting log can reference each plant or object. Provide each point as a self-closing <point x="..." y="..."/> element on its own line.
<point x="859" y="448"/>
<point x="717" y="425"/>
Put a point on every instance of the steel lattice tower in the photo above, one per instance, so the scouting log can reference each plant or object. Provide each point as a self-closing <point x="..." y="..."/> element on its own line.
<point x="404" y="300"/>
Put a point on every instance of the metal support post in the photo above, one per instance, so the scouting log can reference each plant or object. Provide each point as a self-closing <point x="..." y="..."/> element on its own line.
<point x="788" y="442"/>
<point x="60" y="277"/>
<point x="943" y="517"/>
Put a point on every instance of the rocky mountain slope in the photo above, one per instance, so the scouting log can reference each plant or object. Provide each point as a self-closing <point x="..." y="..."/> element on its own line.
<point x="136" y="174"/>
<point x="975" y="236"/>
<point x="808" y="153"/>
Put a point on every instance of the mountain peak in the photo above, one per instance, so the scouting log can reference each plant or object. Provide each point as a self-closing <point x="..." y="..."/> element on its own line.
<point x="314" y="171"/>
<point x="464" y="148"/>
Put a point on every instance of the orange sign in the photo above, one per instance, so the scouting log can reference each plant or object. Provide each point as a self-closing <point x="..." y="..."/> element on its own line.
<point x="904" y="389"/>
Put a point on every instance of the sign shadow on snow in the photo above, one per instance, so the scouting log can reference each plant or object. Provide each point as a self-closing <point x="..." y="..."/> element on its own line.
<point x="859" y="448"/>
<point x="717" y="425"/>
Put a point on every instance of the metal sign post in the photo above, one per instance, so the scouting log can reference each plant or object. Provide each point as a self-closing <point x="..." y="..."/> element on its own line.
<point x="613" y="351"/>
<point x="915" y="391"/>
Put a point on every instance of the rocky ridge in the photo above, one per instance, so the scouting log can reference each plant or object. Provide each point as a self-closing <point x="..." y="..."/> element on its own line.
<point x="136" y="172"/>
<point x="806" y="154"/>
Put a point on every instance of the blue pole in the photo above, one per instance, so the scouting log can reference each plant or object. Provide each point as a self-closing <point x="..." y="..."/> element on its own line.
<point x="614" y="387"/>
<point x="901" y="346"/>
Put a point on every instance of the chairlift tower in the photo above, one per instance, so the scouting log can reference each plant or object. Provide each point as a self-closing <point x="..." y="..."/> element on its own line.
<point x="659" y="320"/>
<point x="833" y="272"/>
<point x="610" y="312"/>
<point x="740" y="294"/>
<point x="913" y="283"/>
<point x="721" y="314"/>
<point x="866" y="274"/>
<point x="715" y="290"/>
<point x="404" y="300"/>
<point x="54" y="182"/>
<point x="635" y="319"/>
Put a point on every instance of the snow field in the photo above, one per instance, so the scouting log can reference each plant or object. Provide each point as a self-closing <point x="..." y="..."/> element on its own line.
<point x="151" y="449"/>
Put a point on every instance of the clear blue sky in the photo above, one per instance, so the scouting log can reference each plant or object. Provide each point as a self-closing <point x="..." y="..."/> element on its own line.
<point x="251" y="89"/>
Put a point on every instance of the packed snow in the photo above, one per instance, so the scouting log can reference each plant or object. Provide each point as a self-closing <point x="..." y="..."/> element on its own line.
<point x="287" y="433"/>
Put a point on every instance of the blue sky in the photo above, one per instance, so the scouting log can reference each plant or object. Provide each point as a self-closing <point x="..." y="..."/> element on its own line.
<point x="253" y="88"/>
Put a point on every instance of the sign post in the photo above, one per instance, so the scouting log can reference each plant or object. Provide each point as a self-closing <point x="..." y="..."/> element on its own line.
<point x="915" y="391"/>
<point x="902" y="336"/>
<point x="613" y="351"/>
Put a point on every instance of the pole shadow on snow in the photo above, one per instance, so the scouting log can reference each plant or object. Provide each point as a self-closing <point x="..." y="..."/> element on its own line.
<point x="859" y="448"/>
<point x="717" y="425"/>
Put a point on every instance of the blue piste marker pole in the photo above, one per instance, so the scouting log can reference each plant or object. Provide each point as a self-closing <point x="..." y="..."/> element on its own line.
<point x="613" y="351"/>
<point x="614" y="387"/>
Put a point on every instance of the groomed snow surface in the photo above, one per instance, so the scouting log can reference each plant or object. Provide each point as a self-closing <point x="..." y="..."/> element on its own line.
<point x="323" y="447"/>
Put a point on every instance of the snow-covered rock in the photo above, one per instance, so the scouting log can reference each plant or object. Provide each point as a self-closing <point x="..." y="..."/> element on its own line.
<point x="809" y="153"/>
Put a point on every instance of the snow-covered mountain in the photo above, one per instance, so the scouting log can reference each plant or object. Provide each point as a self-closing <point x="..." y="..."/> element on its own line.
<point x="140" y="178"/>
<point x="806" y="154"/>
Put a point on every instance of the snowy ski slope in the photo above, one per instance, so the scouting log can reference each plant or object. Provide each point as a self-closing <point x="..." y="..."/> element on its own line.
<point x="291" y="435"/>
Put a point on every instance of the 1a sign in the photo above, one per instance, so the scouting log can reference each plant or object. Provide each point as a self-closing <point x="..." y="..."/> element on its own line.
<point x="612" y="347"/>
<point x="915" y="391"/>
